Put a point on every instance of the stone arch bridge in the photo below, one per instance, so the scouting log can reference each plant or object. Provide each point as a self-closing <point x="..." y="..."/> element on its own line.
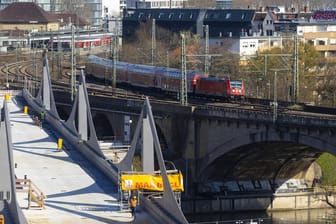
<point x="213" y="144"/>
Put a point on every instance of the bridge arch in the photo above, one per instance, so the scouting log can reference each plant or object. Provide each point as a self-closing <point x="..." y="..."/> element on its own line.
<point x="302" y="149"/>
<point x="104" y="128"/>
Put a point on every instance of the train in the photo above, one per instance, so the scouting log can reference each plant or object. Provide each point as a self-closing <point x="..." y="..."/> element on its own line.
<point x="164" y="79"/>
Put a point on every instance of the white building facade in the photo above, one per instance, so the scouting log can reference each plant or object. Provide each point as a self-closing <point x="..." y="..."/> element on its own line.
<point x="320" y="32"/>
<point x="155" y="3"/>
<point x="224" y="4"/>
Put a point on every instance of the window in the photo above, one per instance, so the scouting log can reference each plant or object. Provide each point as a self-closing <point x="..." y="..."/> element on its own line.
<point x="311" y="42"/>
<point x="321" y="42"/>
<point x="332" y="41"/>
<point x="332" y="54"/>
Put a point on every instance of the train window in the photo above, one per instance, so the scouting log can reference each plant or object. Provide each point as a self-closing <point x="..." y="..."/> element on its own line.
<point x="236" y="84"/>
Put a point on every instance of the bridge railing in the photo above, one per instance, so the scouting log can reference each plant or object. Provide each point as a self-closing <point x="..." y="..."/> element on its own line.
<point x="265" y="116"/>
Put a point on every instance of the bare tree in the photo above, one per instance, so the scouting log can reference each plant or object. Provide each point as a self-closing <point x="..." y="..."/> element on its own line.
<point x="78" y="7"/>
<point x="168" y="48"/>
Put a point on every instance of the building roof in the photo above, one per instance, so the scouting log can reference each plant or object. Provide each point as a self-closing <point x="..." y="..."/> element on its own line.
<point x="174" y="14"/>
<point x="229" y="15"/>
<point x="26" y="12"/>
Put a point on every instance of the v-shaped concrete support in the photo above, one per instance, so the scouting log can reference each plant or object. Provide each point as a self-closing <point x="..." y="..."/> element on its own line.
<point x="81" y="115"/>
<point x="8" y="203"/>
<point x="168" y="202"/>
<point x="45" y="95"/>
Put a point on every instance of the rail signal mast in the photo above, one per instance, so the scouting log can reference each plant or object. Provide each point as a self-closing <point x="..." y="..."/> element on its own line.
<point x="184" y="87"/>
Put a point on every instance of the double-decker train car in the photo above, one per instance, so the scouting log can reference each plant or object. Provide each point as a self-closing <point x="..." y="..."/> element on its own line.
<point x="213" y="86"/>
<point x="164" y="79"/>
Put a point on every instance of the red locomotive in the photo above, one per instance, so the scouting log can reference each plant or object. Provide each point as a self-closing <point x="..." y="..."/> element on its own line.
<point x="165" y="79"/>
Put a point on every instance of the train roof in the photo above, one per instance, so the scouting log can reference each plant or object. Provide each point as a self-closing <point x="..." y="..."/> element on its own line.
<point x="147" y="69"/>
<point x="105" y="61"/>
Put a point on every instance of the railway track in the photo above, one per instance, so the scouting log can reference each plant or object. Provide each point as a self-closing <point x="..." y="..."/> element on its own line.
<point x="17" y="72"/>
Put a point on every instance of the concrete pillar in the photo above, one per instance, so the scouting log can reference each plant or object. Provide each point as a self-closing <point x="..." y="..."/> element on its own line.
<point x="147" y="147"/>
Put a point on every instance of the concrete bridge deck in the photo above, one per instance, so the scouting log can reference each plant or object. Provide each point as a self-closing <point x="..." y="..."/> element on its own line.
<point x="75" y="193"/>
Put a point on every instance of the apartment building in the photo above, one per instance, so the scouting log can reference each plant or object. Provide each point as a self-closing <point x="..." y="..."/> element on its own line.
<point x="320" y="31"/>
